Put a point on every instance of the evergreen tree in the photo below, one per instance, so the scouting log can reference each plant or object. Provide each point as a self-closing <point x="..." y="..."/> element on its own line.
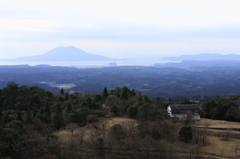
<point x="98" y="98"/>
<point x="94" y="105"/>
<point x="146" y="99"/>
<point x="140" y="100"/>
<point x="29" y="117"/>
<point x="1" y="115"/>
<point x="58" y="119"/>
<point x="34" y="113"/>
<point x="232" y="114"/>
<point x="133" y="93"/>
<point x="133" y="111"/>
<point x="105" y="93"/>
<point x="47" y="109"/>
<point x="5" y="118"/>
<point x="31" y="104"/>
<point x="19" y="116"/>
<point x="185" y="133"/>
<point x="62" y="91"/>
<point x="66" y="97"/>
<point x="58" y="122"/>
<point x="124" y="95"/>
<point x="69" y="107"/>
<point x="115" y="110"/>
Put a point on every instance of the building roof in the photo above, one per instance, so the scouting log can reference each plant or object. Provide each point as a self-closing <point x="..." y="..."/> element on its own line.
<point x="185" y="107"/>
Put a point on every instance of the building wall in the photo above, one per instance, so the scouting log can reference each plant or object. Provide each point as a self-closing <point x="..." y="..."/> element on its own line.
<point x="169" y="111"/>
<point x="184" y="114"/>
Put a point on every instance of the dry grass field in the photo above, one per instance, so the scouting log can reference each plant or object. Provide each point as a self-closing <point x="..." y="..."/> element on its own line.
<point x="215" y="146"/>
<point x="65" y="135"/>
<point x="218" y="123"/>
<point x="216" y="143"/>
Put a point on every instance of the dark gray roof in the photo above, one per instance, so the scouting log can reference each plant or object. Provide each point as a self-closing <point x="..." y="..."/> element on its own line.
<point x="185" y="107"/>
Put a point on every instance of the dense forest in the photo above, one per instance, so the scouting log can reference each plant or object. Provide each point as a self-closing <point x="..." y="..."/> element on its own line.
<point x="222" y="109"/>
<point x="30" y="116"/>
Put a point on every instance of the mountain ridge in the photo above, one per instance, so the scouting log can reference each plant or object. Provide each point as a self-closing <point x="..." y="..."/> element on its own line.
<point x="66" y="53"/>
<point x="203" y="57"/>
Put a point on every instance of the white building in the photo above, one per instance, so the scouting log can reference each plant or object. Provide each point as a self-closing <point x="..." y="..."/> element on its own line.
<point x="184" y="111"/>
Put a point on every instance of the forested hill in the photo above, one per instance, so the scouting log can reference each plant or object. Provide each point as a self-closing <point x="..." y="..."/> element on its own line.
<point x="29" y="116"/>
<point x="35" y="123"/>
<point x="164" y="82"/>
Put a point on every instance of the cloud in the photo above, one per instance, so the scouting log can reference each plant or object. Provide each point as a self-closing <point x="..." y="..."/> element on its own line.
<point x="132" y="27"/>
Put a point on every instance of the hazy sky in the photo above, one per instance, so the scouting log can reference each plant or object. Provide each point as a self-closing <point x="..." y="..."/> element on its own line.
<point x="120" y="28"/>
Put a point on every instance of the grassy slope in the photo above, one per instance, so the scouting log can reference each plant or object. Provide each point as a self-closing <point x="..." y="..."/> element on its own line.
<point x="213" y="147"/>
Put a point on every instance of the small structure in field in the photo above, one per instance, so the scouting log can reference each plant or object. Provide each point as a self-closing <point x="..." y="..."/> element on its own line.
<point x="184" y="111"/>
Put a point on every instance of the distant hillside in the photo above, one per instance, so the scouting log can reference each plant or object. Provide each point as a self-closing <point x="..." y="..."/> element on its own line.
<point x="194" y="65"/>
<point x="203" y="57"/>
<point x="67" y="53"/>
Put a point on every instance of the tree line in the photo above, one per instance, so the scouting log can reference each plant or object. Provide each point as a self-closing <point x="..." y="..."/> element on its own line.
<point x="29" y="116"/>
<point x="222" y="109"/>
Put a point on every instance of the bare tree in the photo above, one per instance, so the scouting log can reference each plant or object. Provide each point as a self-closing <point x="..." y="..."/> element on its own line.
<point x="71" y="146"/>
<point x="81" y="133"/>
<point x="90" y="141"/>
<point x="205" y="132"/>
<point x="130" y="126"/>
<point x="96" y="125"/>
<point x="72" y="127"/>
<point x="200" y="133"/>
<point x="110" y="141"/>
<point x="103" y="122"/>
<point x="167" y="128"/>
<point x="94" y="120"/>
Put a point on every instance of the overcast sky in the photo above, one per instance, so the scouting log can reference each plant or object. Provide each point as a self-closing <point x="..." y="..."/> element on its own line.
<point x="120" y="28"/>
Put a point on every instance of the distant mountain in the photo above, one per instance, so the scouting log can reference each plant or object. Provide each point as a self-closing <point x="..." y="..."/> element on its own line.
<point x="66" y="53"/>
<point x="203" y="57"/>
<point x="194" y="65"/>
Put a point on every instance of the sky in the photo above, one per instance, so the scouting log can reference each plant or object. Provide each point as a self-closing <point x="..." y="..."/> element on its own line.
<point x="120" y="28"/>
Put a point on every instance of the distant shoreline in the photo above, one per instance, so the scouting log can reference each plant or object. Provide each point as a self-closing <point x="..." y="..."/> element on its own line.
<point x="88" y="64"/>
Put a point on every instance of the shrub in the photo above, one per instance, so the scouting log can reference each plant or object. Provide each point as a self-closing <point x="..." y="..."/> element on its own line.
<point x="186" y="133"/>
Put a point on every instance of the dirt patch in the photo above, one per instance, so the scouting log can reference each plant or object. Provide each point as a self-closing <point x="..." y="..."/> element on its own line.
<point x="121" y="120"/>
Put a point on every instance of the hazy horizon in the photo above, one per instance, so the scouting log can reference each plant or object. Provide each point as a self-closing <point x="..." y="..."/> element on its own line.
<point x="123" y="29"/>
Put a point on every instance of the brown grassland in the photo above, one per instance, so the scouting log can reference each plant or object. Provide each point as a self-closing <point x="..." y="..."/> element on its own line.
<point x="222" y="143"/>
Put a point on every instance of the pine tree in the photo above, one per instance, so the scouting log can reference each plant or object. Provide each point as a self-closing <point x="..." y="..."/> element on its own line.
<point x="105" y="93"/>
